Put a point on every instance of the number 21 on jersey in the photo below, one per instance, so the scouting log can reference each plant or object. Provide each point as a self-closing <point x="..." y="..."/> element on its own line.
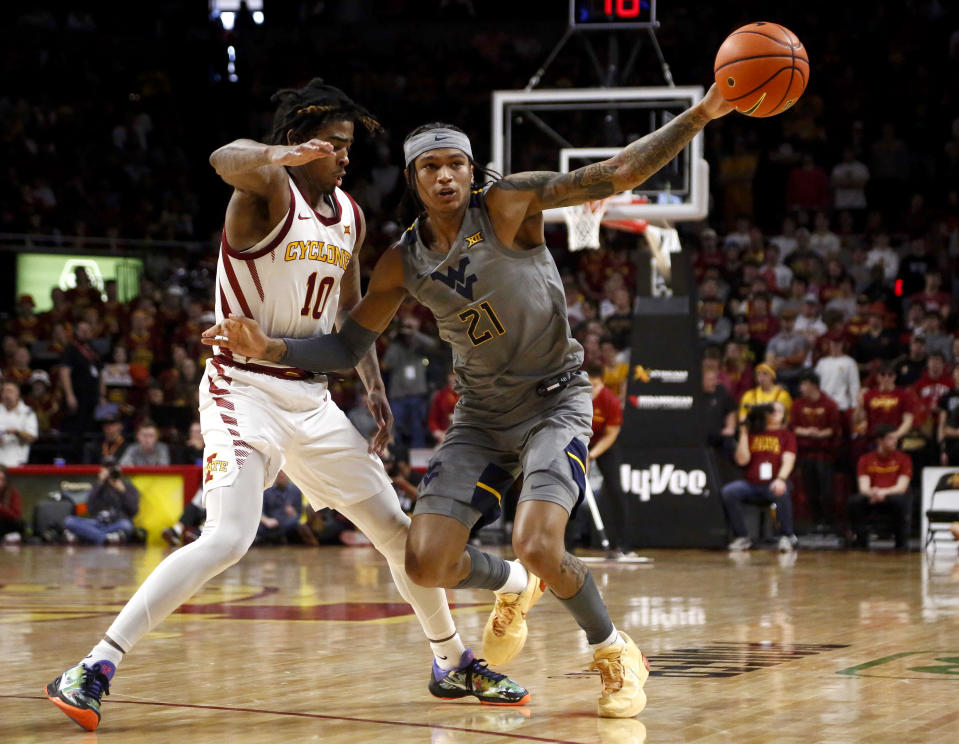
<point x="472" y="317"/>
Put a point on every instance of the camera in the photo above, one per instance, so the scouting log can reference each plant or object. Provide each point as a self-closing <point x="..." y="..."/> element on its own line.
<point x="114" y="473"/>
<point x="756" y="417"/>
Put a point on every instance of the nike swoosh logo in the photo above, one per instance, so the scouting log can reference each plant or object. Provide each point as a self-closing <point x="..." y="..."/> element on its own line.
<point x="300" y="216"/>
<point x="439" y="137"/>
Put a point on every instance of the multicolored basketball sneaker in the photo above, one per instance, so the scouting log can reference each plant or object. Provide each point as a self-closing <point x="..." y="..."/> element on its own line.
<point x="78" y="690"/>
<point x="473" y="677"/>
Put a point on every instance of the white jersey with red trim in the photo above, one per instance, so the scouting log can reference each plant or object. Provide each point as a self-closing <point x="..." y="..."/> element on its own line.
<point x="289" y="282"/>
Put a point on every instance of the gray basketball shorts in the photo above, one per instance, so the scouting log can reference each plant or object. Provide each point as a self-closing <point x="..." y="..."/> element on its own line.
<point x="473" y="469"/>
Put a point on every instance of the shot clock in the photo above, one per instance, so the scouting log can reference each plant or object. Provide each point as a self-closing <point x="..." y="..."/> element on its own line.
<point x="586" y="15"/>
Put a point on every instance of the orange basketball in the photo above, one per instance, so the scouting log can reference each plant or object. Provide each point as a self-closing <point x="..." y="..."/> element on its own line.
<point x="762" y="69"/>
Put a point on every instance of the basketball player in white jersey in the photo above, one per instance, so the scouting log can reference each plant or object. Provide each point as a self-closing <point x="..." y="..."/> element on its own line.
<point x="287" y="260"/>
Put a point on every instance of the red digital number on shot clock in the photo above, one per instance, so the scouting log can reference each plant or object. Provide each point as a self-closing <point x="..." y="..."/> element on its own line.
<point x="623" y="8"/>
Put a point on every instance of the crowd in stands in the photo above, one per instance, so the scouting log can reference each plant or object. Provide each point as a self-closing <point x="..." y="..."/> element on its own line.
<point x="831" y="245"/>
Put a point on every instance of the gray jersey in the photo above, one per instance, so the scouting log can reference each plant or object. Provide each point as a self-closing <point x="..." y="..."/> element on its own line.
<point x="503" y="311"/>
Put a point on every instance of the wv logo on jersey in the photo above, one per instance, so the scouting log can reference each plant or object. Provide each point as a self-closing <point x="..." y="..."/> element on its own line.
<point x="457" y="279"/>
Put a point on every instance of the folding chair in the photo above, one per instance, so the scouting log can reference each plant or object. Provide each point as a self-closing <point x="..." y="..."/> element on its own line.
<point x="943" y="507"/>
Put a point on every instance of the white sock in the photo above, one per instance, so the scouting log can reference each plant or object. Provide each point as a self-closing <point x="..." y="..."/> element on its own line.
<point x="613" y="637"/>
<point x="516" y="581"/>
<point x="103" y="651"/>
<point x="449" y="652"/>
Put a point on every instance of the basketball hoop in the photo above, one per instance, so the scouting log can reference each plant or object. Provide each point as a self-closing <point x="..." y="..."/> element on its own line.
<point x="582" y="223"/>
<point x="584" y="220"/>
<point x="634" y="224"/>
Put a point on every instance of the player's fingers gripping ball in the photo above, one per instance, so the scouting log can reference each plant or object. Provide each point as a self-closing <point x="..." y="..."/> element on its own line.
<point x="762" y="69"/>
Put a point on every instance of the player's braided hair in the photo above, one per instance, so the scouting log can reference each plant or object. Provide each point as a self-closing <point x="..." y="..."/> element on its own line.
<point x="306" y="109"/>
<point x="411" y="202"/>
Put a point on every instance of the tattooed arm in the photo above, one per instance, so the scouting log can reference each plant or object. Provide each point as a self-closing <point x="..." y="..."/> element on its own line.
<point x="541" y="190"/>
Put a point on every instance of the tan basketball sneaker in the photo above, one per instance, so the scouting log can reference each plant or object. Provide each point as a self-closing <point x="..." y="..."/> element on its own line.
<point x="505" y="632"/>
<point x="624" y="671"/>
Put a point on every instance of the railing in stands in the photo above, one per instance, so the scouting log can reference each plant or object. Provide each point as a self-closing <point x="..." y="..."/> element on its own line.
<point x="91" y="244"/>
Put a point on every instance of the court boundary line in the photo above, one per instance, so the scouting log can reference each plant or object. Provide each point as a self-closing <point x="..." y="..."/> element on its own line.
<point x="321" y="716"/>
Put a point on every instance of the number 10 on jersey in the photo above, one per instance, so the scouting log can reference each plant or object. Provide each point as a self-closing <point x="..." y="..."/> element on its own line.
<point x="322" y="295"/>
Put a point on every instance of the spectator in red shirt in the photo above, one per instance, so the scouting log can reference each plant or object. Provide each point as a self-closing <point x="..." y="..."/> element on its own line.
<point x="140" y="342"/>
<point x="888" y="404"/>
<point x="61" y="312"/>
<point x="619" y="263"/>
<point x="11" y="522"/>
<point x="884" y="476"/>
<point x="607" y="422"/>
<point x="763" y="325"/>
<point x="752" y="350"/>
<point x="736" y="369"/>
<point x="768" y="453"/>
<point x="932" y="298"/>
<point x="807" y="186"/>
<point x="709" y="254"/>
<point x="929" y="389"/>
<point x="859" y="322"/>
<point x="591" y="274"/>
<point x="817" y="426"/>
<point x="188" y="332"/>
<point x="19" y="371"/>
<point x="441" y="409"/>
<point x="25" y="326"/>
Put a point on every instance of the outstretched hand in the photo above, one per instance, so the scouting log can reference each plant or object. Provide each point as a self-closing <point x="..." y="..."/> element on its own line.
<point x="240" y="335"/>
<point x="380" y="408"/>
<point x="714" y="105"/>
<point x="304" y="152"/>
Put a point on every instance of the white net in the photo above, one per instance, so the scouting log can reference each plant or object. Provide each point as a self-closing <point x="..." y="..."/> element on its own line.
<point x="583" y="222"/>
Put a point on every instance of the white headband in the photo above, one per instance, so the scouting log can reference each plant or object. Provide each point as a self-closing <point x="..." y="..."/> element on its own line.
<point x="434" y="139"/>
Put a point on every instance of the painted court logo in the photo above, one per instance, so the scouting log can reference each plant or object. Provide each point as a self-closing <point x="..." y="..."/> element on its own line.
<point x="910" y="665"/>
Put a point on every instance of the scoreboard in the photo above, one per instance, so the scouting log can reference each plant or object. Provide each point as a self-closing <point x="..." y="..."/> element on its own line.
<point x="612" y="14"/>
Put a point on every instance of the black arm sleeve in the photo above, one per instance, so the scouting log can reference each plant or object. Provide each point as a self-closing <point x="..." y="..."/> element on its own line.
<point x="341" y="350"/>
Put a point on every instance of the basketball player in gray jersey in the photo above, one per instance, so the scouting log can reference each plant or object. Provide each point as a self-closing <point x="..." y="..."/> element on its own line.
<point x="477" y="258"/>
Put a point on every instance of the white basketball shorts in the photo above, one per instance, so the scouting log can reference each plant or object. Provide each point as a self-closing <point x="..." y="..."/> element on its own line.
<point x="295" y="425"/>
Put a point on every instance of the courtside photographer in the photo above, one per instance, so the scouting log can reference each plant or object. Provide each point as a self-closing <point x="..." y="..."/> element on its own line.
<point x="767" y="452"/>
<point x="111" y="506"/>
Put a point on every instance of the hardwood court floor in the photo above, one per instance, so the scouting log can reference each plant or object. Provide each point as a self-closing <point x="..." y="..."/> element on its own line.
<point x="315" y="645"/>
